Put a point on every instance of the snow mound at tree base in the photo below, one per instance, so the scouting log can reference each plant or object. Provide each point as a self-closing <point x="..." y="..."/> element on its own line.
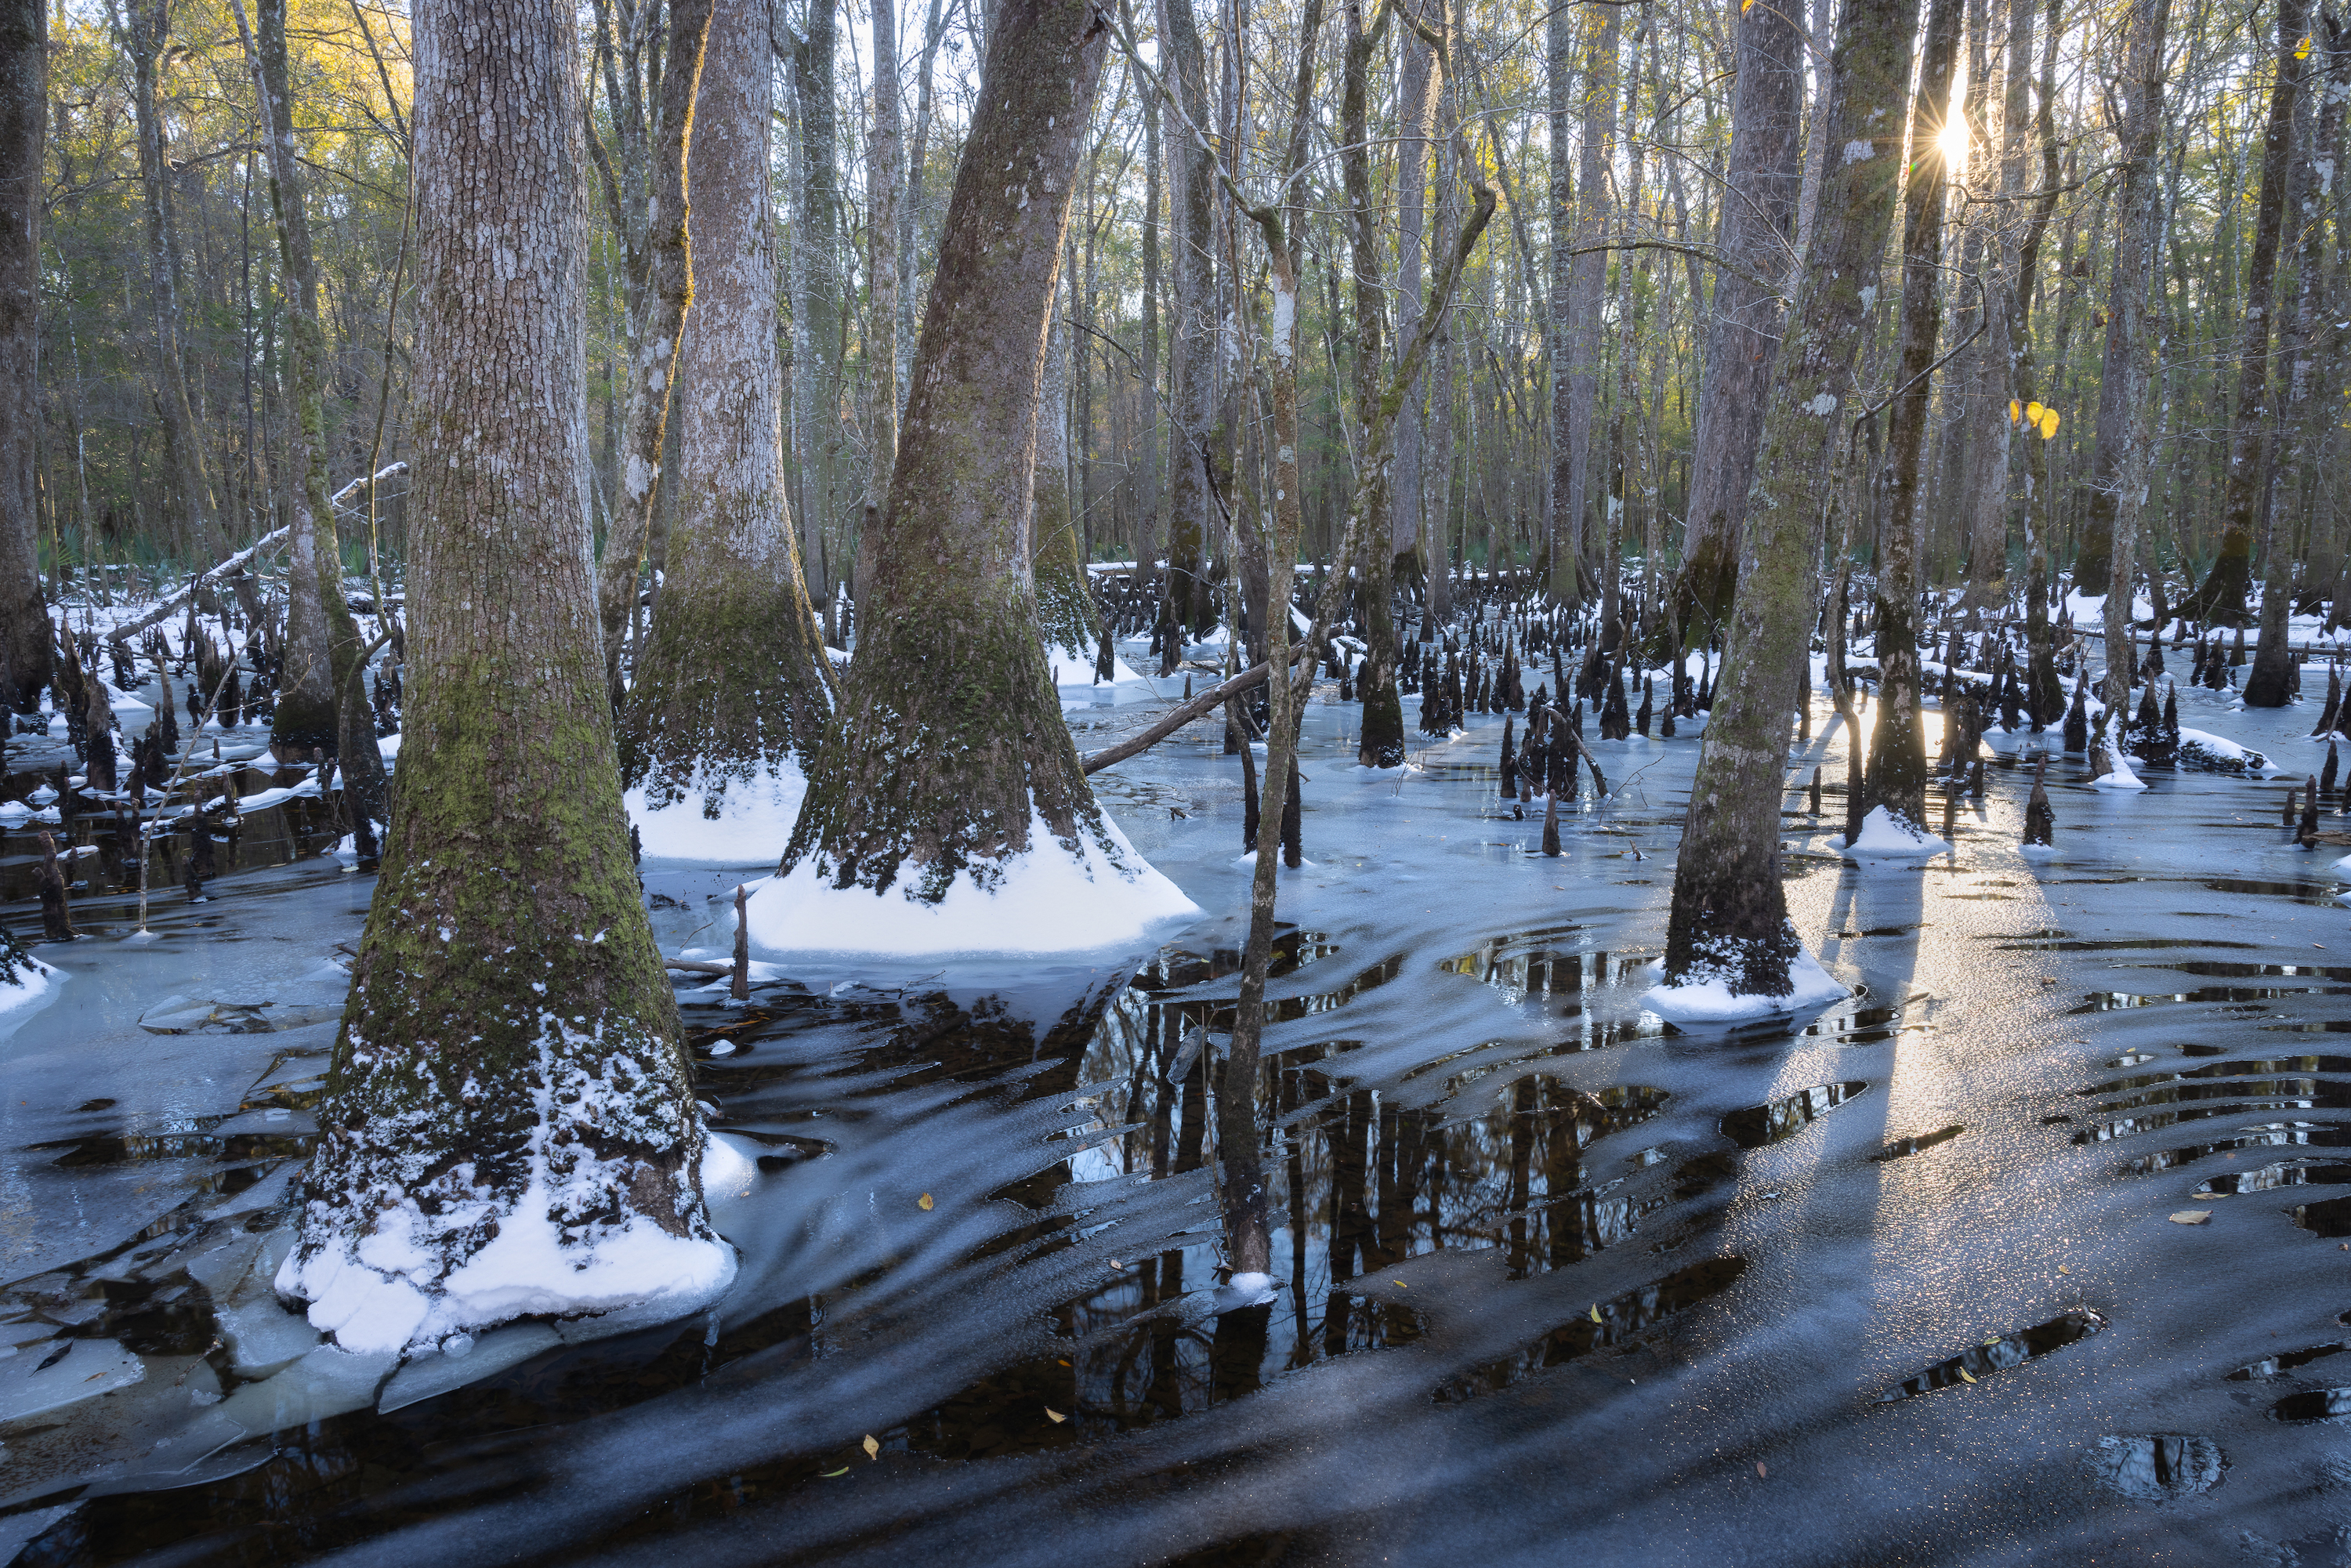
<point x="1075" y="668"/>
<point x="1044" y="900"/>
<point x="1706" y="995"/>
<point x="753" y="824"/>
<point x="638" y="1274"/>
<point x="1884" y="836"/>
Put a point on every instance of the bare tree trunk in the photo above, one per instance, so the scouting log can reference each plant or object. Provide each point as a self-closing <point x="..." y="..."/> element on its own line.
<point x="882" y="153"/>
<point x="667" y="288"/>
<point x="146" y="32"/>
<point x="1898" y="750"/>
<point x="732" y="699"/>
<point x="1149" y="411"/>
<point x="1065" y="609"/>
<point x="2127" y="365"/>
<point x="1416" y="90"/>
<point x="952" y="761"/>
<point x="1742" y="318"/>
<point x="1437" y="463"/>
<point x="317" y="706"/>
<point x="24" y="109"/>
<point x="1588" y="273"/>
<point x="2221" y="595"/>
<point x="1729" y="919"/>
<point x="1190" y="507"/>
<point x="508" y="1128"/>
<point x="1381" y="742"/>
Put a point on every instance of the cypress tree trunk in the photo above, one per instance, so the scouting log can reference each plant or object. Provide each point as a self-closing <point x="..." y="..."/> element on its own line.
<point x="321" y="702"/>
<point x="882" y="153"/>
<point x="24" y="108"/>
<point x="732" y="697"/>
<point x="1897" y="751"/>
<point x="1588" y="275"/>
<point x="2135" y="260"/>
<point x="1729" y="919"/>
<point x="1742" y="318"/>
<point x="1193" y="346"/>
<point x="1065" y="609"/>
<point x="2221" y="595"/>
<point x="1559" y="513"/>
<point x="508" y="1129"/>
<point x="951" y="762"/>
<point x="662" y="272"/>
<point x="146" y="30"/>
<point x="1416" y="87"/>
<point x="1381" y="744"/>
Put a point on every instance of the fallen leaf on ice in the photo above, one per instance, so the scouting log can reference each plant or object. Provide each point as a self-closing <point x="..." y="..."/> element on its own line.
<point x="1596" y="1312"/>
<point x="873" y="1449"/>
<point x="1057" y="1417"/>
<point x="830" y="1474"/>
<point x="1759" y="1469"/>
<point x="2191" y="1216"/>
<point x="1964" y="1375"/>
<point x="924" y="1201"/>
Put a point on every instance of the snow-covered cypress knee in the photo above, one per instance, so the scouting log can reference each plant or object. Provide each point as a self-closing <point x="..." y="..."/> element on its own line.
<point x="731" y="698"/>
<point x="508" y="1129"/>
<point x="951" y="777"/>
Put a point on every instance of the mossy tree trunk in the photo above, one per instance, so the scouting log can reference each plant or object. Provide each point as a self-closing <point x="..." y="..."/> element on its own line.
<point x="1381" y="744"/>
<point x="1730" y="912"/>
<point x="1898" y="750"/>
<point x="950" y="735"/>
<point x="1742" y="317"/>
<point x="24" y="101"/>
<point x="509" y="1057"/>
<point x="2221" y="595"/>
<point x="733" y="685"/>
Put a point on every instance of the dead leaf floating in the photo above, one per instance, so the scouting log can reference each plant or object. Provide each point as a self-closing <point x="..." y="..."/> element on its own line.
<point x="924" y="1201"/>
<point x="830" y="1474"/>
<point x="2192" y="1217"/>
<point x="1760" y="1470"/>
<point x="873" y="1449"/>
<point x="1596" y="1312"/>
<point x="1055" y="1416"/>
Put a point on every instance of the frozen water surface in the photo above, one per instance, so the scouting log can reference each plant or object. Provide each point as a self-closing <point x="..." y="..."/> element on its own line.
<point x="1890" y="1280"/>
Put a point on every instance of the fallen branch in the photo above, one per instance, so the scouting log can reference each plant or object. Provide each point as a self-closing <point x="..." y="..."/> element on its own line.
<point x="697" y="967"/>
<point x="234" y="564"/>
<point x="1177" y="717"/>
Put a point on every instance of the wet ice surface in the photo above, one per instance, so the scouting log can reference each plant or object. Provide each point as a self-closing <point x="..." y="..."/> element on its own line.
<point x="1548" y="1271"/>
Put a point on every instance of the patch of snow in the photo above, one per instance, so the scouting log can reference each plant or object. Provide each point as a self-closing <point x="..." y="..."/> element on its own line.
<point x="753" y="823"/>
<point x="2118" y="774"/>
<point x="1051" y="898"/>
<point x="2202" y="748"/>
<point x="26" y="988"/>
<point x="1250" y="1290"/>
<point x="1705" y="995"/>
<point x="1073" y="667"/>
<point x="1884" y="836"/>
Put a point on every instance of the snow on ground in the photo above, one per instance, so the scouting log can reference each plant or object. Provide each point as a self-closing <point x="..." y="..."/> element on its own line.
<point x="24" y="989"/>
<point x="2117" y="774"/>
<point x="753" y="823"/>
<point x="1073" y="667"/>
<point x="2202" y="749"/>
<point x="1044" y="900"/>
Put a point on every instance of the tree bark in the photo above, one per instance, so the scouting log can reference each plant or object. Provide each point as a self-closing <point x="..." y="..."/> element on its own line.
<point x="882" y="153"/>
<point x="1416" y="89"/>
<point x="1192" y="349"/>
<point x="1559" y="516"/>
<point x="1588" y="273"/>
<point x="951" y="739"/>
<point x="733" y="689"/>
<point x="665" y="267"/>
<point x="1381" y="742"/>
<point x="2221" y="595"/>
<point x="146" y="32"/>
<point x="1742" y="318"/>
<point x="1730" y="912"/>
<point x="1065" y="609"/>
<point x="509" y="1074"/>
<point x="1898" y="750"/>
<point x="24" y="109"/>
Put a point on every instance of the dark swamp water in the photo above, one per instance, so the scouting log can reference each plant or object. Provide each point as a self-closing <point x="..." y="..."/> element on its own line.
<point x="1897" y="1282"/>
